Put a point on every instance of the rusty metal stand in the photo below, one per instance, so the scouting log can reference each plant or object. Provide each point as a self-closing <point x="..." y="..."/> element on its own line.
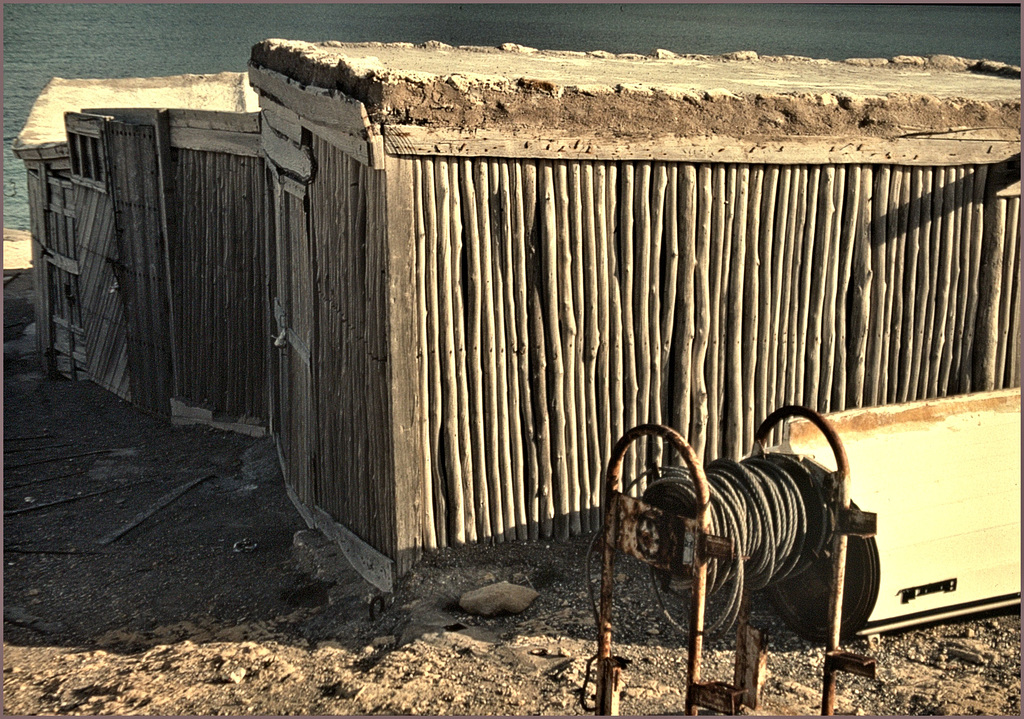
<point x="669" y="542"/>
<point x="848" y="520"/>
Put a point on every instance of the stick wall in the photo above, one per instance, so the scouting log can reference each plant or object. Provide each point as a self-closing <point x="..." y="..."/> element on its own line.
<point x="566" y="301"/>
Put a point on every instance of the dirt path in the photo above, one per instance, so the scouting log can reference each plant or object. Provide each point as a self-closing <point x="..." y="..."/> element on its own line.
<point x="222" y="602"/>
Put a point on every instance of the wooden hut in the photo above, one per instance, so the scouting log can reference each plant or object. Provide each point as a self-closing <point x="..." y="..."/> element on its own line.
<point x="148" y="241"/>
<point x="487" y="263"/>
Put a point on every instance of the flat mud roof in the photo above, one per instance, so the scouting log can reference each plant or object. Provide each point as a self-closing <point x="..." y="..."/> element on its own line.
<point x="226" y="91"/>
<point x="739" y="94"/>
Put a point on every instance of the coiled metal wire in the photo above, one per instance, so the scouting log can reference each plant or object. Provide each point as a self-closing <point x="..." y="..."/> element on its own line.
<point x="771" y="508"/>
<point x="762" y="504"/>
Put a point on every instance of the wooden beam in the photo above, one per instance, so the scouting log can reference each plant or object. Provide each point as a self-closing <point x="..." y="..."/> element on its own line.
<point x="406" y="412"/>
<point x="286" y="155"/>
<point x="417" y="140"/>
<point x="232" y="143"/>
<point x="334" y="116"/>
<point x="242" y="122"/>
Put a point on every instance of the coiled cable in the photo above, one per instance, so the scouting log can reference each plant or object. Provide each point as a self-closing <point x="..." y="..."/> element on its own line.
<point x="760" y="503"/>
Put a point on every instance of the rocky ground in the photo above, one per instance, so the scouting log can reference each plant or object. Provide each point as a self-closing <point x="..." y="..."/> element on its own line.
<point x="221" y="602"/>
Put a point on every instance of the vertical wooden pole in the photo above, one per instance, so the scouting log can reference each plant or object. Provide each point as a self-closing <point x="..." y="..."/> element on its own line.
<point x="977" y="225"/>
<point x="965" y="210"/>
<point x="630" y="387"/>
<point x="797" y="225"/>
<point x="781" y="251"/>
<point x="929" y="355"/>
<point x="509" y="441"/>
<point x="456" y="452"/>
<point x="702" y="310"/>
<point x="606" y="384"/>
<point x="475" y="359"/>
<point x="556" y="400"/>
<point x="836" y="178"/>
<point x="473" y="505"/>
<point x="531" y="440"/>
<point x="564" y="268"/>
<point x="427" y="350"/>
<point x="947" y="250"/>
<point x="752" y="357"/>
<point x="681" y="304"/>
<point x="596" y="404"/>
<point x="1008" y="295"/>
<point x="536" y="286"/>
<point x="767" y="300"/>
<point x="575" y="249"/>
<point x="717" y="271"/>
<point x="739" y="182"/>
<point x="641" y="310"/>
<point x="515" y="355"/>
<point x="497" y="451"/>
<point x="897" y="379"/>
<point x="656" y="202"/>
<point x="861" y="294"/>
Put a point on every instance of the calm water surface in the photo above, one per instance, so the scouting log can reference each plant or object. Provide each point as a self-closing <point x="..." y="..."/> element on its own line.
<point x="126" y="40"/>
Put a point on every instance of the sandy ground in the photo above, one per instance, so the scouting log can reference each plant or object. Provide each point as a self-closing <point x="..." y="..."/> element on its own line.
<point x="17" y="250"/>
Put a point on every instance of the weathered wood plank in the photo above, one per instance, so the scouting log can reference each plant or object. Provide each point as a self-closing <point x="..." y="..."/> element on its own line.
<point x="232" y="143"/>
<point x="417" y="140"/>
<point x="405" y="409"/>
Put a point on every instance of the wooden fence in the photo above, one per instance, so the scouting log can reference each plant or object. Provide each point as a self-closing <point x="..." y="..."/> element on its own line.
<point x="561" y="303"/>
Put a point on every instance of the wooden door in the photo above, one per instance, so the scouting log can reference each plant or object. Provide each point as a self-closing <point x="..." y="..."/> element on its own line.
<point x="139" y="217"/>
<point x="83" y="257"/>
<point x="291" y="376"/>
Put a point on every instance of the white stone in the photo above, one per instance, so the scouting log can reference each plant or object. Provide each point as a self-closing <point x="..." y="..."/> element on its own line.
<point x="496" y="598"/>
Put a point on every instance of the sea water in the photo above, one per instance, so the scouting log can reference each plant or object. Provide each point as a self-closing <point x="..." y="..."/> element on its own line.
<point x="143" y="40"/>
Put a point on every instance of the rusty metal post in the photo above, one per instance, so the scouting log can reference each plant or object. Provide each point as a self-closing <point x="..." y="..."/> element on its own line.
<point x="751" y="656"/>
<point x="608" y="667"/>
<point x="840" y="500"/>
